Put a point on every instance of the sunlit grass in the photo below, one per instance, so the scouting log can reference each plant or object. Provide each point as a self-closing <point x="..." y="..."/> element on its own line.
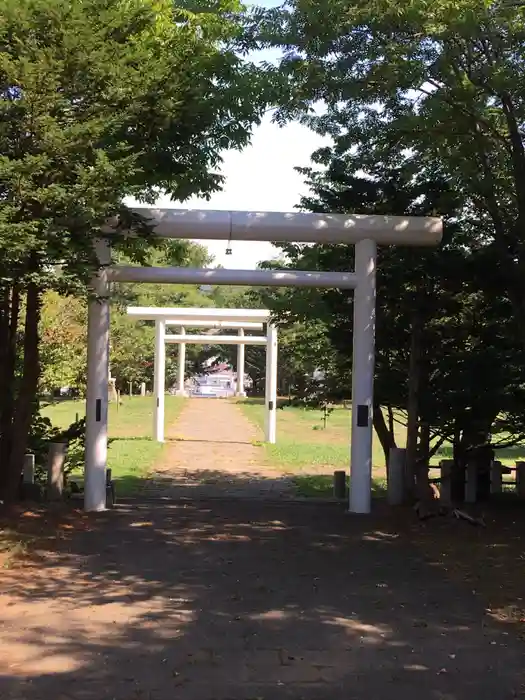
<point x="132" y="452"/>
<point x="311" y="446"/>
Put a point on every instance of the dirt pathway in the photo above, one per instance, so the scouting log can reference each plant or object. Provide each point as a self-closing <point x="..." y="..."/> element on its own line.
<point x="245" y="600"/>
<point x="237" y="599"/>
<point x="212" y="453"/>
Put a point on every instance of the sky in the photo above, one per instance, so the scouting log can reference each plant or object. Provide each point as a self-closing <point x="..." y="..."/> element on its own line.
<point x="261" y="178"/>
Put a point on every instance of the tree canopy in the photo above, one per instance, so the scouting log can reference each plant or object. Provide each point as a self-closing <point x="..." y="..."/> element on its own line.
<point x="423" y="103"/>
<point x="436" y="85"/>
<point x="100" y="101"/>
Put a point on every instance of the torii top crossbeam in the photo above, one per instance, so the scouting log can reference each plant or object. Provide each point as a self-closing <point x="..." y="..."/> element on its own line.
<point x="299" y="227"/>
<point x="216" y="325"/>
<point x="152" y="313"/>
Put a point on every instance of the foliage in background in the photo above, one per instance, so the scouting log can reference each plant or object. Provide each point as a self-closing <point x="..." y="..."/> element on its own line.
<point x="63" y="340"/>
<point x="43" y="433"/>
<point x="424" y="105"/>
<point x="435" y="86"/>
<point x="100" y="101"/>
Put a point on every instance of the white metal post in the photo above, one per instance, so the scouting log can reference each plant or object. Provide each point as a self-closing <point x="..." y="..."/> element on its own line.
<point x="159" y="381"/>
<point x="260" y="278"/>
<point x="363" y="377"/>
<point x="299" y="227"/>
<point x="96" y="450"/>
<point x="182" y="366"/>
<point x="271" y="385"/>
<point x="240" y="366"/>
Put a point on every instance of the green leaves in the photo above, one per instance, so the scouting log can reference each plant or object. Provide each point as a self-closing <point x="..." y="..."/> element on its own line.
<point x="424" y="102"/>
<point x="104" y="101"/>
<point x="472" y="361"/>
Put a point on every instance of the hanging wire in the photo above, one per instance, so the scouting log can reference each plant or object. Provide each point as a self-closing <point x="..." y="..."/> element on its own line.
<point x="229" y="244"/>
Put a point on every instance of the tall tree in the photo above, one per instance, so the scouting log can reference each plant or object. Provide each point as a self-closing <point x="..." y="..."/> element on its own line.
<point x="132" y="341"/>
<point x="434" y="90"/>
<point x="100" y="100"/>
<point x="63" y="341"/>
<point x="438" y="332"/>
<point x="433" y="84"/>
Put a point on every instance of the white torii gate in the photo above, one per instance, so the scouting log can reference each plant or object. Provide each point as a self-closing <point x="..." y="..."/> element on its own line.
<point x="211" y="325"/>
<point x="240" y="319"/>
<point x="363" y="231"/>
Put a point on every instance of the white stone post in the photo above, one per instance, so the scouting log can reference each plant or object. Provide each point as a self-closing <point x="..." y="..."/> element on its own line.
<point x="363" y="377"/>
<point x="520" y="479"/>
<point x="181" y="366"/>
<point x="270" y="398"/>
<point x="445" y="485"/>
<point x="112" y="390"/>
<point x="96" y="451"/>
<point x="143" y="389"/>
<point x="471" y="481"/>
<point x="496" y="477"/>
<point x="159" y="381"/>
<point x="395" y="480"/>
<point x="240" y="366"/>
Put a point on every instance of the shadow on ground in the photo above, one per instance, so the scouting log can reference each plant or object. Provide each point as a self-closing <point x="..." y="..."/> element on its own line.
<point x="212" y="442"/>
<point x="240" y="600"/>
<point x="199" y="483"/>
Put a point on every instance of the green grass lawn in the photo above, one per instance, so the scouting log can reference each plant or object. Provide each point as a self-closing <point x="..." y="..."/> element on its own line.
<point x="132" y="452"/>
<point x="311" y="451"/>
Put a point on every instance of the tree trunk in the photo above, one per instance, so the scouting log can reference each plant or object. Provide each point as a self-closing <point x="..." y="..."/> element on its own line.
<point x="423" y="489"/>
<point x="391" y="420"/>
<point x="8" y="340"/>
<point x="384" y="433"/>
<point x="414" y="381"/>
<point x="5" y="303"/>
<point x="25" y="401"/>
<point x="473" y="444"/>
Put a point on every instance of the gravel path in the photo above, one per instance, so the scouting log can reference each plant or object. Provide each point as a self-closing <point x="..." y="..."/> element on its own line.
<point x="214" y="455"/>
<point x="242" y="597"/>
<point x="245" y="600"/>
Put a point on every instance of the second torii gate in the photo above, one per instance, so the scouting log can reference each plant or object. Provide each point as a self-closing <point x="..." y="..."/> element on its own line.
<point x="240" y="319"/>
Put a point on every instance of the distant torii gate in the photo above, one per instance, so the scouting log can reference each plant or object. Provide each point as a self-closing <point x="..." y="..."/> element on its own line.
<point x="364" y="231"/>
<point x="240" y="319"/>
<point x="214" y="325"/>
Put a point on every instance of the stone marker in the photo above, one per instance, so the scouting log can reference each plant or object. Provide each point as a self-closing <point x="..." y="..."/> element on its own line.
<point x="28" y="475"/>
<point x="445" y="486"/>
<point x="55" y="470"/>
<point x="471" y="482"/>
<point x="496" y="477"/>
<point x="340" y="485"/>
<point x="520" y="479"/>
<point x="395" y="476"/>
